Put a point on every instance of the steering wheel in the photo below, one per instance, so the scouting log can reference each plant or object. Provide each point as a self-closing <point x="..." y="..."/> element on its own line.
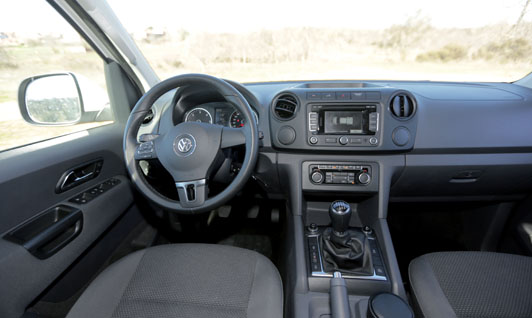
<point x="189" y="151"/>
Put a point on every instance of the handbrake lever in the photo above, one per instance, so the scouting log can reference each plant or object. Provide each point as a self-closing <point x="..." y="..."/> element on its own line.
<point x="339" y="298"/>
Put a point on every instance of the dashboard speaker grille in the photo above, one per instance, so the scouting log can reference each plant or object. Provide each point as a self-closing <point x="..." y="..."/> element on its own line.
<point x="285" y="106"/>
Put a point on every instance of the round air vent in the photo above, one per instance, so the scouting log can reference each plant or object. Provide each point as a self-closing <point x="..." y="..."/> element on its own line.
<point x="285" y="106"/>
<point x="402" y="106"/>
<point x="149" y="117"/>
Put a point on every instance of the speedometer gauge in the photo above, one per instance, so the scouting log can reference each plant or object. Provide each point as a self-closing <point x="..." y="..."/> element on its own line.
<point x="237" y="120"/>
<point x="200" y="115"/>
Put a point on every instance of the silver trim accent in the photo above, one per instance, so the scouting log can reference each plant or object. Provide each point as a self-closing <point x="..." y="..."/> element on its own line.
<point x="321" y="273"/>
<point x="255" y="116"/>
<point x="198" y="108"/>
<point x="335" y="211"/>
<point x="195" y="183"/>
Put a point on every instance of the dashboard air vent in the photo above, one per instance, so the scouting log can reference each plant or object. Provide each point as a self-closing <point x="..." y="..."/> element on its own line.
<point x="285" y="106"/>
<point x="402" y="106"/>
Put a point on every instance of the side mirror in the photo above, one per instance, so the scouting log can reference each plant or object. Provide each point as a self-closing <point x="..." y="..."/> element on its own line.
<point x="57" y="100"/>
<point x="51" y="99"/>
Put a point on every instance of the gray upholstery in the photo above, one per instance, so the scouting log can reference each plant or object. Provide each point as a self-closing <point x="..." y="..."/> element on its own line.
<point x="472" y="284"/>
<point x="185" y="280"/>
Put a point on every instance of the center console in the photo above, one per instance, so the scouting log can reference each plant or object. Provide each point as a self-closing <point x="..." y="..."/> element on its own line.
<point x="354" y="252"/>
<point x="338" y="149"/>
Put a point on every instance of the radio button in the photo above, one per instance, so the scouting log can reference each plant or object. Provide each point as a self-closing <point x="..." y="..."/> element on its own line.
<point x="358" y="95"/>
<point x="330" y="140"/>
<point x="343" y="95"/>
<point x="373" y="140"/>
<point x="355" y="140"/>
<point x="313" y="140"/>
<point x="313" y="115"/>
<point x="313" y="95"/>
<point x="328" y="96"/>
<point x="344" y="140"/>
<point x="313" y="127"/>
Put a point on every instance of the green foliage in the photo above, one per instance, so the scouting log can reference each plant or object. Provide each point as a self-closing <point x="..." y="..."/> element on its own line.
<point x="54" y="110"/>
<point x="450" y="52"/>
<point x="509" y="50"/>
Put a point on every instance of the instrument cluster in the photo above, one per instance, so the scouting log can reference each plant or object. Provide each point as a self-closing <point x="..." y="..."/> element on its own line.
<point x="218" y="113"/>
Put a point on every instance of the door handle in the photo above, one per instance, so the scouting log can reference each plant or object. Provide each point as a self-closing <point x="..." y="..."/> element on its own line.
<point x="78" y="175"/>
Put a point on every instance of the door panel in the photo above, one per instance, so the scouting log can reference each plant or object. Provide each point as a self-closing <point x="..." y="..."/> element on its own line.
<point x="28" y="179"/>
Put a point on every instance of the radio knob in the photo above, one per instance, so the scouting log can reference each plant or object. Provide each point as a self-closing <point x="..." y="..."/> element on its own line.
<point x="364" y="178"/>
<point x="317" y="176"/>
<point x="313" y="140"/>
<point x="343" y="140"/>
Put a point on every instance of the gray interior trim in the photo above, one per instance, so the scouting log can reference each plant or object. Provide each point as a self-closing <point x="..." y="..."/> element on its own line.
<point x="24" y="277"/>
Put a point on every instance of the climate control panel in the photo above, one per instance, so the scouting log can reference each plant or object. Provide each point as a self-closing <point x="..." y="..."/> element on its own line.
<point x="340" y="176"/>
<point x="351" y="174"/>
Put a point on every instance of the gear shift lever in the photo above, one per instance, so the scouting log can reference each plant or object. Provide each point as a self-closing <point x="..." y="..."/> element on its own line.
<point x="340" y="214"/>
<point x="345" y="250"/>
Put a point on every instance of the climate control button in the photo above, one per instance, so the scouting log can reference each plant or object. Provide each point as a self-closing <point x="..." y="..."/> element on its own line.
<point x="364" y="178"/>
<point x="317" y="176"/>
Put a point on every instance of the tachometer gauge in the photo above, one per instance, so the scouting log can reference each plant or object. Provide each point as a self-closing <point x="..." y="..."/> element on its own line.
<point x="200" y="115"/>
<point x="237" y="120"/>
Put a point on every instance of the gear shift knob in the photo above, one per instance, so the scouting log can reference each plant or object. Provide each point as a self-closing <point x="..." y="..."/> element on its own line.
<point x="340" y="214"/>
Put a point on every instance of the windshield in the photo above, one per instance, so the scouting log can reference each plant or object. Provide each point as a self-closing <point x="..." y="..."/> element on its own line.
<point x="310" y="40"/>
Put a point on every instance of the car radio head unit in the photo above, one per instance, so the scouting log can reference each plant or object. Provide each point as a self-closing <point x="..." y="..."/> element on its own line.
<point x="339" y="124"/>
<point x="344" y="122"/>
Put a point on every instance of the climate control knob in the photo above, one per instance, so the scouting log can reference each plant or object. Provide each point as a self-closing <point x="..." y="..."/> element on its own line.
<point x="317" y="176"/>
<point x="364" y="178"/>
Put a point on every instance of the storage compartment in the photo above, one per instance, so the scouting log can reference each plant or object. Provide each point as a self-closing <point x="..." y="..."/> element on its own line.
<point x="48" y="233"/>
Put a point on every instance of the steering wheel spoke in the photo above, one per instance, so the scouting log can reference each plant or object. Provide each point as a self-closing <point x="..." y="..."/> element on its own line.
<point x="192" y="194"/>
<point x="146" y="150"/>
<point x="232" y="137"/>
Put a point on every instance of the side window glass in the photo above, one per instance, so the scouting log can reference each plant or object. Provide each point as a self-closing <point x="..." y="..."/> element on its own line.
<point x="52" y="83"/>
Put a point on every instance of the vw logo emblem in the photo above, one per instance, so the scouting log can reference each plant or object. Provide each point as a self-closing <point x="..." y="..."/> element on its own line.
<point x="184" y="145"/>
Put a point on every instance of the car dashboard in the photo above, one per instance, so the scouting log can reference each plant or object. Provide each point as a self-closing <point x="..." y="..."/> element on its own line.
<point x="441" y="139"/>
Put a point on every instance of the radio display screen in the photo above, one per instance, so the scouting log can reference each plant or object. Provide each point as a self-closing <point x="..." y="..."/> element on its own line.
<point x="343" y="122"/>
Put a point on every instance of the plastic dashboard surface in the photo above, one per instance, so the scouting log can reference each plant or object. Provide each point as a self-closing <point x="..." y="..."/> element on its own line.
<point x="482" y="129"/>
<point x="449" y="117"/>
<point x="313" y="98"/>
